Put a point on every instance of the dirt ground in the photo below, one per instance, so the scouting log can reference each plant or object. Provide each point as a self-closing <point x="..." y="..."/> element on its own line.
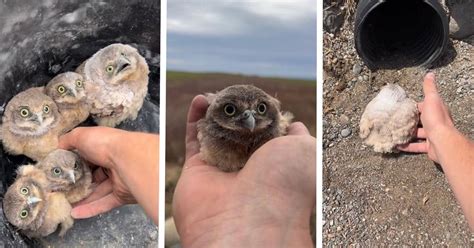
<point x="296" y="96"/>
<point x="401" y="199"/>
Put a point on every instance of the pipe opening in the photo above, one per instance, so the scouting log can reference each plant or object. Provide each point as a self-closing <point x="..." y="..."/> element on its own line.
<point x="400" y="33"/>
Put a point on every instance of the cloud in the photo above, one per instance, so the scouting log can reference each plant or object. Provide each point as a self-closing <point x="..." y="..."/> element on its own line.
<point x="221" y="17"/>
<point x="265" y="37"/>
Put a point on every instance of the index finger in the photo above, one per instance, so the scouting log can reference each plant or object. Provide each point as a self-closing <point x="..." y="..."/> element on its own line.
<point x="197" y="111"/>
<point x="429" y="85"/>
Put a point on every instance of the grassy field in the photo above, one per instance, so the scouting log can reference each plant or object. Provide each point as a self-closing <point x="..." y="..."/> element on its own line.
<point x="296" y="95"/>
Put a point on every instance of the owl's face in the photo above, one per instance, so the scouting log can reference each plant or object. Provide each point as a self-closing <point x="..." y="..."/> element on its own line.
<point x="114" y="64"/>
<point x="67" y="88"/>
<point x="62" y="168"/>
<point x="31" y="113"/>
<point x="23" y="202"/>
<point x="243" y="108"/>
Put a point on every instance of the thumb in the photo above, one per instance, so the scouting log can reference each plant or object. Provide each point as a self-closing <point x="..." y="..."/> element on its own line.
<point x="429" y="85"/>
<point x="297" y="128"/>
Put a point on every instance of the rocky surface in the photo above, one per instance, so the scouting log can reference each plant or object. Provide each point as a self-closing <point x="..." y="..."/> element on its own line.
<point x="39" y="39"/>
<point x="379" y="200"/>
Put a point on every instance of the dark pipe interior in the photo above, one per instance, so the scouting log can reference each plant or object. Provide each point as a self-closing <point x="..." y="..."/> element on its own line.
<point x="401" y="33"/>
<point x="39" y="39"/>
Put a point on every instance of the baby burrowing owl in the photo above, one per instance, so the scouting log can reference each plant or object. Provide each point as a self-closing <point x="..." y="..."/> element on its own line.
<point x="30" y="207"/>
<point x="390" y="119"/>
<point x="117" y="83"/>
<point x="67" y="173"/>
<point x="239" y="120"/>
<point x="67" y="90"/>
<point x="31" y="124"/>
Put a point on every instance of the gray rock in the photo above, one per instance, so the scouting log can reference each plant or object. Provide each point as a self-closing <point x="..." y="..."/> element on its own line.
<point x="356" y="69"/>
<point x="346" y="132"/>
<point x="461" y="23"/>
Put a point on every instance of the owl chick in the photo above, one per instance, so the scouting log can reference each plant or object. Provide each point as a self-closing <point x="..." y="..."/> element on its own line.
<point x="117" y="83"/>
<point x="67" y="173"/>
<point x="32" y="209"/>
<point x="239" y="120"/>
<point x="31" y="124"/>
<point x="67" y="91"/>
<point x="390" y="119"/>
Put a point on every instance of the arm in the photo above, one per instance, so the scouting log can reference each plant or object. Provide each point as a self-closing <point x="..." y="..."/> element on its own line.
<point x="456" y="155"/>
<point x="131" y="172"/>
<point x="445" y="145"/>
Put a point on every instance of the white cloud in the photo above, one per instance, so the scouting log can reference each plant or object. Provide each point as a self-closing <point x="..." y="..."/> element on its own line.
<point x="227" y="17"/>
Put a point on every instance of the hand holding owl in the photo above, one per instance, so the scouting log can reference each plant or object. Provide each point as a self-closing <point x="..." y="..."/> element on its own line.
<point x="127" y="169"/>
<point x="229" y="208"/>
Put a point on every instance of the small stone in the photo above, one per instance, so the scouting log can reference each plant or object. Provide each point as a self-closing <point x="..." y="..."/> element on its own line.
<point x="154" y="235"/>
<point x="346" y="132"/>
<point x="343" y="119"/>
<point x="356" y="69"/>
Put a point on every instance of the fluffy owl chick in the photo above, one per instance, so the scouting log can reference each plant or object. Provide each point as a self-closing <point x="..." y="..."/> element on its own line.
<point x="239" y="120"/>
<point x="390" y="119"/>
<point x="67" y="173"/>
<point x="32" y="209"/>
<point x="68" y="92"/>
<point x="117" y="83"/>
<point x="31" y="124"/>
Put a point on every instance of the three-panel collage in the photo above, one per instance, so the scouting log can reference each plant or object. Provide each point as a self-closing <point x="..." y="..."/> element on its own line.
<point x="243" y="123"/>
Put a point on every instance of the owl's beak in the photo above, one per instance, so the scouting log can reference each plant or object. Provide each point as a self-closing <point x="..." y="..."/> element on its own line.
<point x="72" y="92"/>
<point x="33" y="200"/>
<point x="38" y="118"/>
<point x="72" y="177"/>
<point x="249" y="119"/>
<point x="122" y="64"/>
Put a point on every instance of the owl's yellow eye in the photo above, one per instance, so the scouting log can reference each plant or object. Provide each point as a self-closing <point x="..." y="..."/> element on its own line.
<point x="262" y="108"/>
<point x="24" y="112"/>
<point x="56" y="171"/>
<point x="24" y="191"/>
<point x="46" y="109"/>
<point x="61" y="89"/>
<point x="229" y="109"/>
<point x="24" y="213"/>
<point x="109" y="69"/>
<point x="79" y="83"/>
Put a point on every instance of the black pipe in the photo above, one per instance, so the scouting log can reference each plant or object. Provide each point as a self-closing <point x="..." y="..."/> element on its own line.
<point x="392" y="34"/>
<point x="38" y="40"/>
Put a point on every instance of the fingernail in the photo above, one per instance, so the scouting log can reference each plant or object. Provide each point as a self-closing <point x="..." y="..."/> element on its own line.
<point x="430" y="75"/>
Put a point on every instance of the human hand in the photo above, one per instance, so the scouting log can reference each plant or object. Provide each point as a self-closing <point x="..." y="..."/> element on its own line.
<point x="110" y="191"/>
<point x="267" y="203"/>
<point x="434" y="116"/>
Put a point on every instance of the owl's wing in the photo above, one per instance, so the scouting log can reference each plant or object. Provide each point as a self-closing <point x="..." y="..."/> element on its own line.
<point x="285" y="120"/>
<point x="404" y="122"/>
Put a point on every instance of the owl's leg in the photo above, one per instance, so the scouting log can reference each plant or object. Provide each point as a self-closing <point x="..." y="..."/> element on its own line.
<point x="66" y="224"/>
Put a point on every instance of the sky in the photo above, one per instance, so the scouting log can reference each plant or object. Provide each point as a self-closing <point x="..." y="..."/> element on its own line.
<point x="274" y="38"/>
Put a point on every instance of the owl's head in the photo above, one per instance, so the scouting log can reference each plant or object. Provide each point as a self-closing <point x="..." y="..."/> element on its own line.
<point x="66" y="88"/>
<point x="243" y="108"/>
<point x="31" y="113"/>
<point x="62" y="168"/>
<point x="116" y="64"/>
<point x="23" y="202"/>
